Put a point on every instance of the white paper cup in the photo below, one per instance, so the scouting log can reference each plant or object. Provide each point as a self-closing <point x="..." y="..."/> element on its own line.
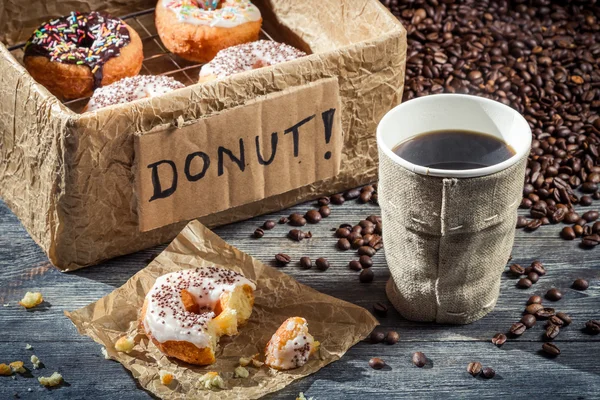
<point x="448" y="233"/>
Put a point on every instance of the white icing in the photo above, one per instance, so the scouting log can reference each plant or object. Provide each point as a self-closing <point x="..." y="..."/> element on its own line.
<point x="166" y="318"/>
<point x="295" y="352"/>
<point x="230" y="14"/>
<point x="130" y="89"/>
<point x="247" y="56"/>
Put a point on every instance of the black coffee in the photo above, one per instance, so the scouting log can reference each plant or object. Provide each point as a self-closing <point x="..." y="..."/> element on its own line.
<point x="454" y="149"/>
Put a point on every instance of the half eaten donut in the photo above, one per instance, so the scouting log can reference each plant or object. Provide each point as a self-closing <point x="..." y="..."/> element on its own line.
<point x="186" y="312"/>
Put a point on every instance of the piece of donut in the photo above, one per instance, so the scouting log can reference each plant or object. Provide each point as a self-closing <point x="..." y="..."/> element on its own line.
<point x="197" y="32"/>
<point x="186" y="312"/>
<point x="130" y="89"/>
<point x="247" y="56"/>
<point x="291" y="346"/>
<point x="73" y="55"/>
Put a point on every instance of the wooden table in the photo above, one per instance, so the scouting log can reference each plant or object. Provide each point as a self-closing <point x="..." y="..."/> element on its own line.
<point x="522" y="372"/>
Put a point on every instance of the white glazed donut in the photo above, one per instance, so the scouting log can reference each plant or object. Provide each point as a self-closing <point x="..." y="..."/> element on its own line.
<point x="245" y="57"/>
<point x="130" y="89"/>
<point x="186" y="312"/>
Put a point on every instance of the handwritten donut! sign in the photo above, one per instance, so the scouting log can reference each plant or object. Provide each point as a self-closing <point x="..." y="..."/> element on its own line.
<point x="268" y="146"/>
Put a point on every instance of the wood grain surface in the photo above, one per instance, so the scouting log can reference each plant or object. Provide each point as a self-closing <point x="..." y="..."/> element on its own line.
<point x="522" y="371"/>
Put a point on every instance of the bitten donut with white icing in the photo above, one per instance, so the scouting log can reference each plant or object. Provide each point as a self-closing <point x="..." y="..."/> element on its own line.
<point x="186" y="312"/>
<point x="245" y="57"/>
<point x="291" y="346"/>
<point x="130" y="89"/>
<point x="197" y="29"/>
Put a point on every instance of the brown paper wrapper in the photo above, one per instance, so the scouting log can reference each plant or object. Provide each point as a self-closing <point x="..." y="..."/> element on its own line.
<point x="337" y="324"/>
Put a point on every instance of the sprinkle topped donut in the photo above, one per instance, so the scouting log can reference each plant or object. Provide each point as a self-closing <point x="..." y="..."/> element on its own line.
<point x="245" y="57"/>
<point x="81" y="39"/>
<point x="166" y="316"/>
<point x="130" y="89"/>
<point x="226" y="14"/>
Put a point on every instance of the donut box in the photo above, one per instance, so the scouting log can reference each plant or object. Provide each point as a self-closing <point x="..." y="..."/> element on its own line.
<point x="89" y="186"/>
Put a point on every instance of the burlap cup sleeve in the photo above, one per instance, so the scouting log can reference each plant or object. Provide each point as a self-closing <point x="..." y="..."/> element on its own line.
<point x="447" y="240"/>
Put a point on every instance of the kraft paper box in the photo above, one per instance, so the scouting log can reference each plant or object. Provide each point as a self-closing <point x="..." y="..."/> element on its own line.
<point x="96" y="185"/>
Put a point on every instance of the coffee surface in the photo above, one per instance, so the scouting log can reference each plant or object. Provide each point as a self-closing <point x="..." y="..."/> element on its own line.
<point x="454" y="149"/>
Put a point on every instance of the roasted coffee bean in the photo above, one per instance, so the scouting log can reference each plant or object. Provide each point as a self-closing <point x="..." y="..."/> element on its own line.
<point x="392" y="337"/>
<point x="353" y="236"/>
<point x="591" y="241"/>
<point x="376" y="242"/>
<point x="380" y="309"/>
<point x="365" y="197"/>
<point x="552" y="332"/>
<point x="474" y="368"/>
<point x="535" y="299"/>
<point x="581" y="222"/>
<point x="352" y="194"/>
<point x="593" y="326"/>
<point x="367" y="237"/>
<point x="580" y="284"/>
<point x="365" y="261"/>
<point x="568" y="233"/>
<point x="488" y="373"/>
<point x="365" y="223"/>
<point x="325" y="211"/>
<point x="545" y="221"/>
<point x="313" y="216"/>
<point x="585" y="201"/>
<point x="343" y="244"/>
<point x="357" y="243"/>
<point x="533" y="308"/>
<point x="366" y="251"/>
<point x="305" y="262"/>
<point x="533" y="225"/>
<point x="368" y="230"/>
<point x="269" y="224"/>
<point x="258" y="233"/>
<point x="499" y="339"/>
<point x="528" y="320"/>
<point x="596" y="227"/>
<point x="376" y="363"/>
<point x="282" y="259"/>
<point x="367" y="188"/>
<point x="521" y="222"/>
<point x="323" y="201"/>
<point x="553" y="294"/>
<point x="589" y="187"/>
<point x="322" y="263"/>
<point x="338" y="199"/>
<point x="558" y="215"/>
<point x="354" y="265"/>
<point x="590" y="216"/>
<point x="578" y="229"/>
<point x="524" y="283"/>
<point x="374" y="219"/>
<point x="516" y="269"/>
<point x="342" y="232"/>
<point x="555" y="320"/>
<point x="517" y="329"/>
<point x="538" y="211"/>
<point x="357" y="229"/>
<point x="533" y="277"/>
<point x="419" y="359"/>
<point x="551" y="349"/>
<point x="571" y="217"/>
<point x="297" y="220"/>
<point x="283" y="220"/>
<point x="538" y="268"/>
<point x="366" y="275"/>
<point x="544" y="313"/>
<point x="565" y="318"/>
<point x="296" y="234"/>
<point x="377" y="337"/>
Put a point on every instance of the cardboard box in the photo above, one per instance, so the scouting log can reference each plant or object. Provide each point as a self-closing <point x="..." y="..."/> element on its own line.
<point x="93" y="186"/>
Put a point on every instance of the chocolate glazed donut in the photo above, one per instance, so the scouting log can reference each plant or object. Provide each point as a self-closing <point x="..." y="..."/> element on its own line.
<point x="75" y="54"/>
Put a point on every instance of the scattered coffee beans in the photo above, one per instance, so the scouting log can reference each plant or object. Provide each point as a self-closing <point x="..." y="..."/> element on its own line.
<point x="488" y="373"/>
<point x="593" y="326"/>
<point x="392" y="337"/>
<point x="544" y="313"/>
<point x="297" y="220"/>
<point x="269" y="224"/>
<point x="366" y="251"/>
<point x="528" y="320"/>
<point x="376" y="363"/>
<point x="282" y="259"/>
<point x="538" y="268"/>
<point x="313" y="216"/>
<point x="365" y="261"/>
<point x="566" y="319"/>
<point x="524" y="283"/>
<point x="283" y="220"/>
<point x="552" y="332"/>
<point x="553" y="294"/>
<point x="322" y="263"/>
<point x="366" y="275"/>
<point x="354" y="265"/>
<point x="533" y="277"/>
<point x="499" y="339"/>
<point x="535" y="299"/>
<point x="568" y="233"/>
<point x="533" y="308"/>
<point x="343" y="244"/>
<point x="419" y="359"/>
<point x="377" y="337"/>
<point x="555" y="320"/>
<point x="323" y="201"/>
<point x="580" y="284"/>
<point x="380" y="309"/>
<point x="305" y="263"/>
<point x="337" y="199"/>
<point x="551" y="349"/>
<point x="325" y="211"/>
<point x="517" y="329"/>
<point x="258" y="233"/>
<point x="516" y="270"/>
<point x="296" y="234"/>
<point x="474" y="368"/>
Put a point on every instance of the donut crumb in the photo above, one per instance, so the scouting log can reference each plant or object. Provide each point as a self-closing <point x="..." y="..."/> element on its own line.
<point x="165" y="377"/>
<point x="241" y="372"/>
<point x="31" y="299"/>
<point x="124" y="344"/>
<point x="52" y="380"/>
<point x="212" y="380"/>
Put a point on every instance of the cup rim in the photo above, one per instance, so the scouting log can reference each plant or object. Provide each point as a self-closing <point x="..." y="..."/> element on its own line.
<point x="454" y="173"/>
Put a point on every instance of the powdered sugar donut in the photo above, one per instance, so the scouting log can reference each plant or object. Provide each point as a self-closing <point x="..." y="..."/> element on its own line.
<point x="245" y="57"/>
<point x="291" y="346"/>
<point x="186" y="312"/>
<point x="197" y="29"/>
<point x="130" y="89"/>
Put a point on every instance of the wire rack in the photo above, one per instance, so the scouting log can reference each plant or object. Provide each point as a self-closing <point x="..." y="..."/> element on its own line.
<point x="157" y="61"/>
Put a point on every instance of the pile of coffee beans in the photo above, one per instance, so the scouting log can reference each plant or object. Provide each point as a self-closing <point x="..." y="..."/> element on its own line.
<point x="540" y="57"/>
<point x="378" y="336"/>
<point x="527" y="276"/>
